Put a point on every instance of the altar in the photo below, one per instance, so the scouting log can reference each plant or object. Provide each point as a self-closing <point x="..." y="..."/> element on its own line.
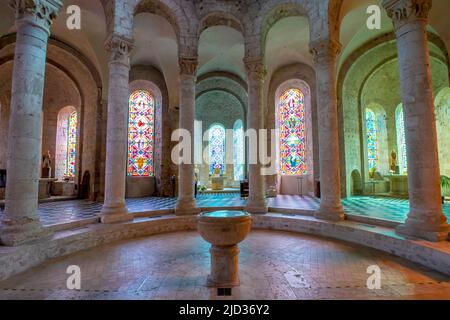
<point x="399" y="185"/>
<point x="64" y="188"/>
<point x="45" y="185"/>
<point x="217" y="183"/>
<point x="217" y="180"/>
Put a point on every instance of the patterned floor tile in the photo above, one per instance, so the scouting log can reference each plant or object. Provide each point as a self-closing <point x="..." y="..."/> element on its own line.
<point x="382" y="208"/>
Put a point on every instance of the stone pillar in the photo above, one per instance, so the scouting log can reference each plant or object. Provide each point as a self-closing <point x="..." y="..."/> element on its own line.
<point x="325" y="52"/>
<point x="186" y="204"/>
<point x="20" y="223"/>
<point x="425" y="219"/>
<point x="256" y="73"/>
<point x="114" y="208"/>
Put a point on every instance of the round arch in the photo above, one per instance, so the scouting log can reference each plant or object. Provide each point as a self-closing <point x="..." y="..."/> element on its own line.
<point x="149" y="185"/>
<point x="272" y="12"/>
<point x="219" y="18"/>
<point x="289" y="183"/>
<point x="183" y="20"/>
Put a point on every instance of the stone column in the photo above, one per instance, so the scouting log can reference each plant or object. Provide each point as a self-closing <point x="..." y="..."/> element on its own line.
<point x="20" y="223"/>
<point x="256" y="73"/>
<point x="186" y="204"/>
<point x="325" y="52"/>
<point x="425" y="219"/>
<point x="114" y="208"/>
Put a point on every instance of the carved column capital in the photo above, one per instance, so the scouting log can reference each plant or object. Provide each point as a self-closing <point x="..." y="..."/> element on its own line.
<point x="255" y="68"/>
<point x="42" y="13"/>
<point x="188" y="66"/>
<point x="404" y="11"/>
<point x="119" y="48"/>
<point x="324" y="49"/>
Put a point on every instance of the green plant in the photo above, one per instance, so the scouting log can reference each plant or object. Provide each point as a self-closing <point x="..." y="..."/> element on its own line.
<point x="445" y="182"/>
<point x="445" y="185"/>
<point x="202" y="188"/>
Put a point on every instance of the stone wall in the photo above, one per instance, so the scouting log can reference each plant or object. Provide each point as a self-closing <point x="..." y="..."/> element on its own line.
<point x="442" y="106"/>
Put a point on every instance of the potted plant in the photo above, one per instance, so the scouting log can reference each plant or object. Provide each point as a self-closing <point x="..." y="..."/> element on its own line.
<point x="202" y="188"/>
<point x="445" y="186"/>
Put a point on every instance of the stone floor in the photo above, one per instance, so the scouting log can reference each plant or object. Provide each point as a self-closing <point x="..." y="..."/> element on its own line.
<point x="273" y="265"/>
<point x="381" y="208"/>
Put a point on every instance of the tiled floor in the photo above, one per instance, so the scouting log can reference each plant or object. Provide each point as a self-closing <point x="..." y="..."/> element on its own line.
<point x="175" y="266"/>
<point x="382" y="208"/>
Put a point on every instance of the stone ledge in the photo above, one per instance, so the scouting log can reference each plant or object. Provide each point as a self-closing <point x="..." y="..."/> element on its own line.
<point x="292" y="211"/>
<point x="14" y="260"/>
<point x="373" y="221"/>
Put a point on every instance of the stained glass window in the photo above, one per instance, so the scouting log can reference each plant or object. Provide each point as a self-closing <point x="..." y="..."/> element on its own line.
<point x="238" y="153"/>
<point x="291" y="124"/>
<point x="141" y="134"/>
<point x="401" y="140"/>
<point x="372" y="139"/>
<point x="72" y="124"/>
<point x="217" y="149"/>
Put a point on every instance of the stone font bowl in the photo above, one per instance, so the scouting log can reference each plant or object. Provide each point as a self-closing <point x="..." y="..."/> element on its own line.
<point x="224" y="228"/>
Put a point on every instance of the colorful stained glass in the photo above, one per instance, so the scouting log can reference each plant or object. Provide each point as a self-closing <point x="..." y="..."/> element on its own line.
<point x="372" y="139"/>
<point x="72" y="125"/>
<point x="140" y="134"/>
<point x="291" y="124"/>
<point x="401" y="140"/>
<point x="238" y="153"/>
<point x="217" y="149"/>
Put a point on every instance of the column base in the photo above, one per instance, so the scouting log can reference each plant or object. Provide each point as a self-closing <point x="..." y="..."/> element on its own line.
<point x="442" y="234"/>
<point x="335" y="214"/>
<point x="272" y="193"/>
<point x="187" y="207"/>
<point x="22" y="231"/>
<point x="258" y="206"/>
<point x="115" y="214"/>
<point x="224" y="267"/>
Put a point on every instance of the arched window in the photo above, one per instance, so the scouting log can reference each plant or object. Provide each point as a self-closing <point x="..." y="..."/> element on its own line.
<point x="66" y="143"/>
<point x="292" y="141"/>
<point x="401" y="139"/>
<point x="141" y="134"/>
<point x="72" y="125"/>
<point x="238" y="152"/>
<point x="217" y="149"/>
<point x="372" y="139"/>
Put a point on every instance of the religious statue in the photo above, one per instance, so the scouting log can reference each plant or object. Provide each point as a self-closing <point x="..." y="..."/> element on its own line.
<point x="393" y="164"/>
<point x="47" y="165"/>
